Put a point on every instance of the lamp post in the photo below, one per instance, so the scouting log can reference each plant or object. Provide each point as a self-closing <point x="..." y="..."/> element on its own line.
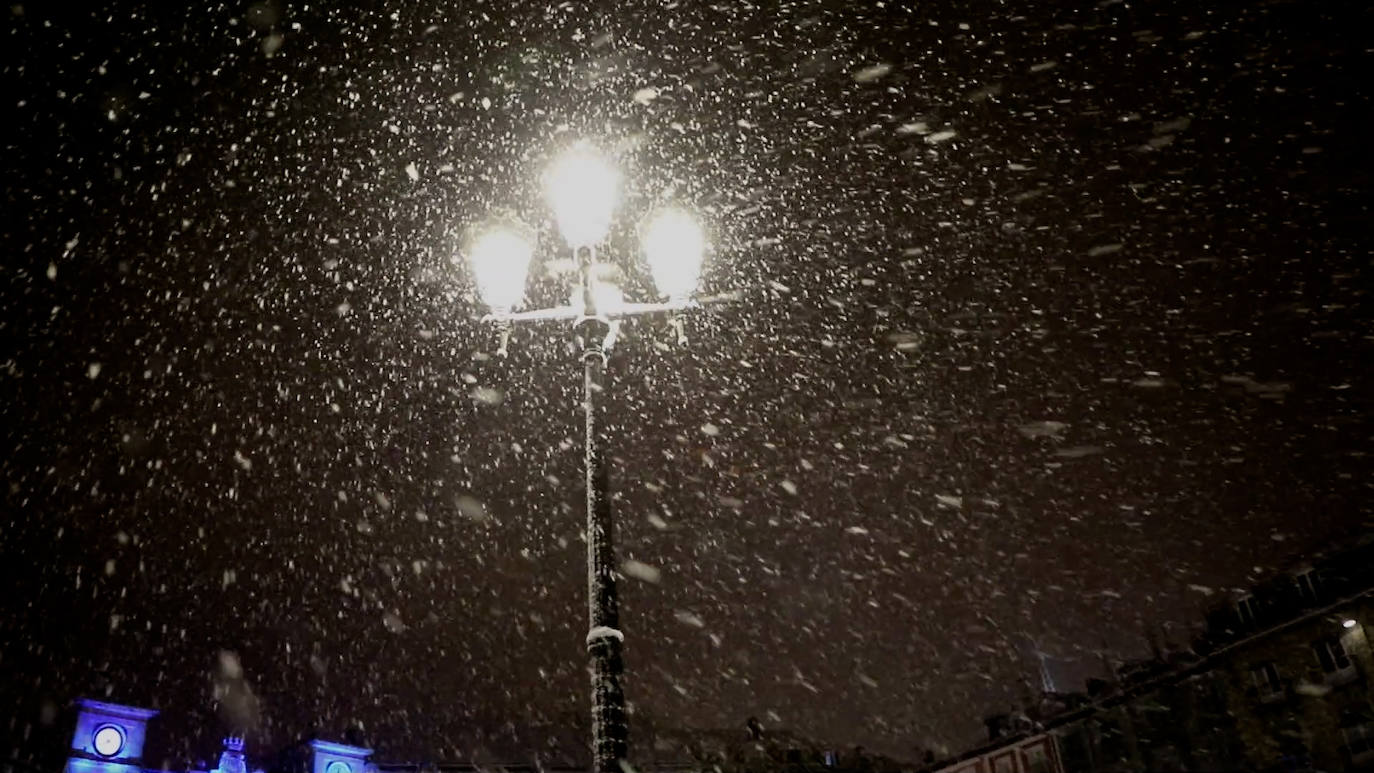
<point x="583" y="191"/>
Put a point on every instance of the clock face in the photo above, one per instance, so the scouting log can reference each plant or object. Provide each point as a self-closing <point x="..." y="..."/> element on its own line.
<point x="108" y="740"/>
<point x="338" y="766"/>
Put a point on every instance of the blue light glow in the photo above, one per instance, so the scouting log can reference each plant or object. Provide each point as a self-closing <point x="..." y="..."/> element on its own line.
<point x="333" y="757"/>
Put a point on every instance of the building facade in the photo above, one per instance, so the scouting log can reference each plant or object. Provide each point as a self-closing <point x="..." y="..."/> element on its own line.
<point x="108" y="738"/>
<point x="1281" y="679"/>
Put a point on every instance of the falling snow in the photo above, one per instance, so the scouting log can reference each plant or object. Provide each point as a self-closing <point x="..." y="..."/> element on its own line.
<point x="1025" y="321"/>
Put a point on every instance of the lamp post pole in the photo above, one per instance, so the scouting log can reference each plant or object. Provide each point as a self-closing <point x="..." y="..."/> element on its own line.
<point x="583" y="191"/>
<point x="610" y="728"/>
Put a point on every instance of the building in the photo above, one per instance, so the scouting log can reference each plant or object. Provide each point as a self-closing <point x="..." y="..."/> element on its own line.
<point x="1300" y="671"/>
<point x="108" y="738"/>
<point x="1281" y="679"/>
<point x="1032" y="753"/>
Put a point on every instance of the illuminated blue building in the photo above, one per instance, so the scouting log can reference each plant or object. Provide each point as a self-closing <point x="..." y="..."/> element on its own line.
<point x="109" y="739"/>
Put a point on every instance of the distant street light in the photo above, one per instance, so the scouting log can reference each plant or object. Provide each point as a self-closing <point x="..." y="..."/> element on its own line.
<point x="583" y="190"/>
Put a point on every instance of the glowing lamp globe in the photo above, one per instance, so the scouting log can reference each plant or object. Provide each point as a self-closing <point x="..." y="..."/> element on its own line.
<point x="582" y="189"/>
<point x="500" y="259"/>
<point x="673" y="244"/>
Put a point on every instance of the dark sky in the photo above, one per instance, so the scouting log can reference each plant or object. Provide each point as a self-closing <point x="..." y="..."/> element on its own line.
<point x="1057" y="329"/>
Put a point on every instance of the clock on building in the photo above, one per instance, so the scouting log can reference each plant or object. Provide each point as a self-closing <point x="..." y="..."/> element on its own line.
<point x="108" y="740"/>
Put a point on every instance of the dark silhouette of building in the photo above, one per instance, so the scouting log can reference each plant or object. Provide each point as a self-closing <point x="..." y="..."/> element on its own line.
<point x="1281" y="679"/>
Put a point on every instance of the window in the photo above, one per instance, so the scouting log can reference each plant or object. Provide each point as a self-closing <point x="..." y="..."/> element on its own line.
<point x="1331" y="654"/>
<point x="1359" y="738"/>
<point x="1247" y="609"/>
<point x="1265" y="679"/>
<point x="1307" y="584"/>
<point x="1035" y="759"/>
<point x="1332" y="657"/>
<point x="1357" y="735"/>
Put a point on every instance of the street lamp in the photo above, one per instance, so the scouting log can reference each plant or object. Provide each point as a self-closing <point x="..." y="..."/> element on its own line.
<point x="583" y="190"/>
<point x="500" y="256"/>
<point x="673" y="242"/>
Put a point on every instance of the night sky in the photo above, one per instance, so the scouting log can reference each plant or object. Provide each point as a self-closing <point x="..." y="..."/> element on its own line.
<point x="1055" y="330"/>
